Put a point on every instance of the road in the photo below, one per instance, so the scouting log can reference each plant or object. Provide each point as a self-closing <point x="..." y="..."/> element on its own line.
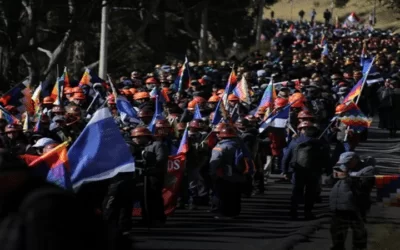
<point x="264" y="222"/>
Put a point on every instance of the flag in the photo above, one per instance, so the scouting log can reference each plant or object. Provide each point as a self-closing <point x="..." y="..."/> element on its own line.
<point x="64" y="79"/>
<point x="90" y="77"/>
<point x="100" y="152"/>
<point x="36" y="128"/>
<point x="356" y="90"/>
<point x="20" y="97"/>
<point x="278" y="120"/>
<point x="56" y="93"/>
<point x="351" y="115"/>
<point x="325" y="50"/>
<point x="85" y="80"/>
<point x="7" y="116"/>
<point x="388" y="189"/>
<point x="230" y="85"/>
<point x="184" y="145"/>
<point x="268" y="98"/>
<point x="36" y="97"/>
<point x="374" y="76"/>
<point x="242" y="91"/>
<point x="197" y="113"/>
<point x="183" y="78"/>
<point x="157" y="116"/>
<point x="126" y="110"/>
<point x="161" y="93"/>
<point x="56" y="161"/>
<point x="220" y="113"/>
<point x="352" y="20"/>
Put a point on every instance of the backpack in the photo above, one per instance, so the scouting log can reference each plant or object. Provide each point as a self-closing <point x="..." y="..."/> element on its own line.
<point x="307" y="155"/>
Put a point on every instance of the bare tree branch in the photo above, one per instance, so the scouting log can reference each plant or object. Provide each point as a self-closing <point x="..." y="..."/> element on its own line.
<point x="28" y="9"/>
<point x="62" y="45"/>
<point x="137" y="33"/>
<point x="92" y="65"/>
<point x="47" y="52"/>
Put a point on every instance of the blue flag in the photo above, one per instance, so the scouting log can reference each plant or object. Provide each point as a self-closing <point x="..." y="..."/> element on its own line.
<point x="100" y="151"/>
<point x="197" y="113"/>
<point x="278" y="120"/>
<point x="126" y="110"/>
<point x="157" y="115"/>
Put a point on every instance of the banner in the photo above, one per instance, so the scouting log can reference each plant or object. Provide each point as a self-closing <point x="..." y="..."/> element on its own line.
<point x="172" y="183"/>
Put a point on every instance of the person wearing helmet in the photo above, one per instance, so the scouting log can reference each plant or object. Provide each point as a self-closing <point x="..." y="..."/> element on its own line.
<point x="151" y="82"/>
<point x="303" y="162"/>
<point x="162" y="132"/>
<point x="14" y="139"/>
<point x="142" y="99"/>
<point x="47" y="105"/>
<point x="212" y="102"/>
<point x="43" y="125"/>
<point x="197" y="166"/>
<point x="79" y="99"/>
<point x="305" y="115"/>
<point x="249" y="139"/>
<point x="227" y="173"/>
<point x="235" y="106"/>
<point x="57" y="110"/>
<point x="74" y="120"/>
<point x="277" y="136"/>
<point x="145" y="115"/>
<point x="188" y="113"/>
<point x="153" y="155"/>
<point x="59" y="130"/>
<point x="297" y="100"/>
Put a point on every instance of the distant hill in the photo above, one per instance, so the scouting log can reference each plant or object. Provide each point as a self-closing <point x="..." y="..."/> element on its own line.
<point x="386" y="18"/>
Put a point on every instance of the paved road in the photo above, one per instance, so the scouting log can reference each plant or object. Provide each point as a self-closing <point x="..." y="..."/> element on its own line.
<point x="264" y="221"/>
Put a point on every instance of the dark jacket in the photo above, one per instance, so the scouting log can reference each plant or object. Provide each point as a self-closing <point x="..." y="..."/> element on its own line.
<point x="156" y="158"/>
<point x="342" y="196"/>
<point x="222" y="162"/>
<point x="289" y="154"/>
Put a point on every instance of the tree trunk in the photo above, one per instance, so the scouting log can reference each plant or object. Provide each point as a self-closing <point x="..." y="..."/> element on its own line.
<point x="4" y="66"/>
<point x="259" y="23"/>
<point x="203" y="34"/>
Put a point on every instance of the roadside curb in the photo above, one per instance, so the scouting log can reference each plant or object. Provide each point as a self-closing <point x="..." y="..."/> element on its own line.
<point x="302" y="234"/>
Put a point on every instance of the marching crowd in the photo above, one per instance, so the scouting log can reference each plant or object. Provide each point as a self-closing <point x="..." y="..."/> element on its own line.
<point x="234" y="133"/>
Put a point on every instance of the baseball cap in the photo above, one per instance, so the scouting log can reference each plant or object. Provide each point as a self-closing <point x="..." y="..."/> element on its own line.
<point x="42" y="142"/>
<point x="346" y="157"/>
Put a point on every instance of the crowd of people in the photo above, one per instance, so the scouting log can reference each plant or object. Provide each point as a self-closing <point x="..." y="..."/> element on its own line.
<point x="313" y="69"/>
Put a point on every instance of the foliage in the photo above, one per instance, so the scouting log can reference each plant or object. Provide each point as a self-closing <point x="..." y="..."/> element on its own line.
<point x="39" y="36"/>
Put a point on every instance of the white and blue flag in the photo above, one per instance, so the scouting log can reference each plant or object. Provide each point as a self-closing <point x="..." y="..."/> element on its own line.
<point x="126" y="110"/>
<point x="100" y="151"/>
<point x="279" y="120"/>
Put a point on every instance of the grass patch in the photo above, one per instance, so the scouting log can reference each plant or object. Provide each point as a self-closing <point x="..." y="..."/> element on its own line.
<point x="386" y="18"/>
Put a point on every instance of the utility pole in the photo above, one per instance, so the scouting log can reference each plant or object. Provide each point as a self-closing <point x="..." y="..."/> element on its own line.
<point x="259" y="23"/>
<point x="103" y="41"/>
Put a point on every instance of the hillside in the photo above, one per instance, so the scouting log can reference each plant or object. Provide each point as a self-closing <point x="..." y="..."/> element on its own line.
<point x="386" y="19"/>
